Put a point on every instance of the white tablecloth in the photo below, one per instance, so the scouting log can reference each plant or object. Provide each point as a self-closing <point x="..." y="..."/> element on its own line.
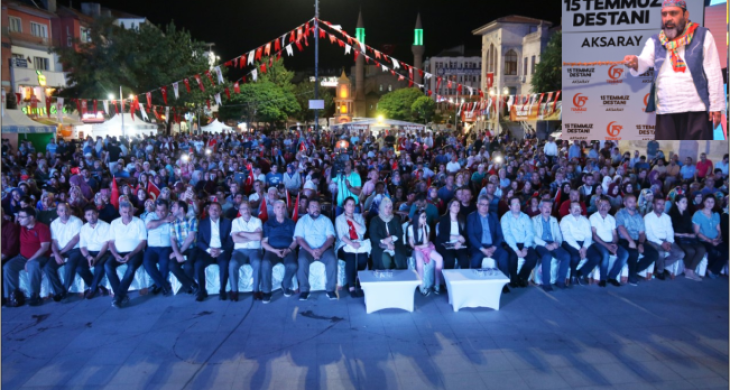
<point x="385" y="293"/>
<point x="469" y="289"/>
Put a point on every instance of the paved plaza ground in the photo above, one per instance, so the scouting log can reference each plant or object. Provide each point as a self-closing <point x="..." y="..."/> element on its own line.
<point x="660" y="335"/>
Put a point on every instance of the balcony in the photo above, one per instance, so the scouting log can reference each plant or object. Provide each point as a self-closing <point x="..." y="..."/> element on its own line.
<point x="27" y="39"/>
<point x="28" y="77"/>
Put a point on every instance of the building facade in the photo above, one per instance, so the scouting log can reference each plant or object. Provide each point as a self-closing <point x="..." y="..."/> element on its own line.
<point x="458" y="66"/>
<point x="30" y="30"/>
<point x="511" y="49"/>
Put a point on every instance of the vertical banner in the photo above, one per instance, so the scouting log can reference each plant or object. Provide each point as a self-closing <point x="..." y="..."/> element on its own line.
<point x="603" y="101"/>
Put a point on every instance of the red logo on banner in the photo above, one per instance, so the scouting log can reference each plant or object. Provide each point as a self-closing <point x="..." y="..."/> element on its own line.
<point x="646" y="101"/>
<point x="615" y="72"/>
<point x="614" y="130"/>
<point x="579" y="102"/>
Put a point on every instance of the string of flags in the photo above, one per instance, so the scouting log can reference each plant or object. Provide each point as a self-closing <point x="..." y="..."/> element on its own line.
<point x="379" y="59"/>
<point x="298" y="37"/>
<point x="273" y="50"/>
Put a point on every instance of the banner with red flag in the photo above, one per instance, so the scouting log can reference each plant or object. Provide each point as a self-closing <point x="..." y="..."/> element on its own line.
<point x="115" y="194"/>
<point x="263" y="211"/>
<point x="152" y="190"/>
<point x="295" y="213"/>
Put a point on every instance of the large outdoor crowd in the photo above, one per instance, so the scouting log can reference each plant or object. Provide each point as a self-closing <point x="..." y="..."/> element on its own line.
<point x="177" y="204"/>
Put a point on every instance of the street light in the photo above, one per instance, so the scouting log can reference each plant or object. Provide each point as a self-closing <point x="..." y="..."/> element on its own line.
<point x="111" y="96"/>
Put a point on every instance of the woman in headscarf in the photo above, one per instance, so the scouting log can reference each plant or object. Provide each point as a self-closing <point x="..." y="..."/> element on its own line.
<point x="386" y="239"/>
<point x="646" y="201"/>
<point x="614" y="196"/>
<point x="606" y="183"/>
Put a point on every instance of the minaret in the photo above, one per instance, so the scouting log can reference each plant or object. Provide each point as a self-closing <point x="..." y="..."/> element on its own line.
<point x="360" y="104"/>
<point x="418" y="49"/>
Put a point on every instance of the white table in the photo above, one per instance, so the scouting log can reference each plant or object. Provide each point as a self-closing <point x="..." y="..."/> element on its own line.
<point x="395" y="292"/>
<point x="469" y="289"/>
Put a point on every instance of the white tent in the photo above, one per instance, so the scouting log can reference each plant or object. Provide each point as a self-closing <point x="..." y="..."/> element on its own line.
<point x="15" y="122"/>
<point x="132" y="128"/>
<point x="216" y="127"/>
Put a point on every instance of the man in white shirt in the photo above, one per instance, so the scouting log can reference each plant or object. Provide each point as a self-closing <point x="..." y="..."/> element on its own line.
<point x="315" y="234"/>
<point x="453" y="166"/>
<point x="551" y="149"/>
<point x="660" y="236"/>
<point x="159" y="247"/>
<point x="247" y="232"/>
<point x="94" y="245"/>
<point x="577" y="240"/>
<point x="127" y="239"/>
<point x="605" y="238"/>
<point x="64" y="245"/>
<point x="687" y="75"/>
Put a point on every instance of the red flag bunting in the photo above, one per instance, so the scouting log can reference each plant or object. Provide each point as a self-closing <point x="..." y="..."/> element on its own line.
<point x="187" y="84"/>
<point x="164" y="94"/>
<point x="236" y="87"/>
<point x="263" y="211"/>
<point x="200" y="82"/>
<point x="228" y="93"/>
<point x="258" y="54"/>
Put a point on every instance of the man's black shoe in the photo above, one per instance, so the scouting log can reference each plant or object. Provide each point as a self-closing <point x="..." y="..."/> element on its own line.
<point x="547" y="288"/>
<point x="35" y="300"/>
<point x="155" y="290"/>
<point x="523" y="282"/>
<point x="266" y="298"/>
<point x="234" y="296"/>
<point x="304" y="296"/>
<point x="660" y="276"/>
<point x="602" y="283"/>
<point x="59" y="297"/>
<point x="505" y="290"/>
<point x="222" y="296"/>
<point x="614" y="282"/>
<point x="288" y="292"/>
<point x="331" y="295"/>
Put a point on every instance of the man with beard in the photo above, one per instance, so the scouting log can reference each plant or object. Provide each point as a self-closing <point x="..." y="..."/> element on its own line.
<point x="687" y="76"/>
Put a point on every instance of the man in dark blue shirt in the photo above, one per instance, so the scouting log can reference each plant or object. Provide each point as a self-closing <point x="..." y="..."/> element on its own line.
<point x="279" y="245"/>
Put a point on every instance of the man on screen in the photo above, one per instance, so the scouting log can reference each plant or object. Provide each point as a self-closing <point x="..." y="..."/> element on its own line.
<point x="687" y="76"/>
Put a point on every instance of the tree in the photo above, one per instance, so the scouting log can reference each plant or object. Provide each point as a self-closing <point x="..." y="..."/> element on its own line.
<point x="304" y="91"/>
<point x="548" y="73"/>
<point x="260" y="101"/>
<point x="399" y="103"/>
<point x="424" y="108"/>
<point x="138" y="60"/>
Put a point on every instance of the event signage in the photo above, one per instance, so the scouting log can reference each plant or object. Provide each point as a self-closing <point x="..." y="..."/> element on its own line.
<point x="603" y="101"/>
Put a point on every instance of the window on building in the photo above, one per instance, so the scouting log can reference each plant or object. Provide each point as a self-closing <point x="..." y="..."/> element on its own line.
<point x="533" y="65"/>
<point x="85" y="35"/>
<point x="40" y="63"/>
<point x="39" y="30"/>
<point x="524" y="71"/>
<point x="510" y="63"/>
<point x="15" y="24"/>
<point x="491" y="59"/>
<point x="390" y="87"/>
<point x="381" y="87"/>
<point x="69" y="37"/>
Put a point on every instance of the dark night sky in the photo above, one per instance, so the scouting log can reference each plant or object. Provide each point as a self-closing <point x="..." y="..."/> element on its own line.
<point x="237" y="27"/>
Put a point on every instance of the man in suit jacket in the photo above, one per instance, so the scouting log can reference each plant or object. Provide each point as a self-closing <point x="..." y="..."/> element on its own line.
<point x="214" y="245"/>
<point x="486" y="243"/>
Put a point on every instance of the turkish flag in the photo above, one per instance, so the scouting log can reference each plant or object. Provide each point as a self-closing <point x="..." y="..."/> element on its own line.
<point x="295" y="213"/>
<point x="288" y="199"/>
<point x="114" y="200"/>
<point x="263" y="211"/>
<point x="152" y="190"/>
